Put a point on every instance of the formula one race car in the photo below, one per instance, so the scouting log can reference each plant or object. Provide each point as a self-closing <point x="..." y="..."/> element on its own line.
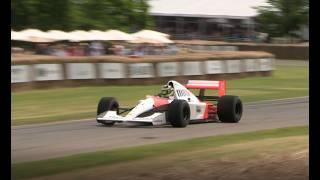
<point x="175" y="105"/>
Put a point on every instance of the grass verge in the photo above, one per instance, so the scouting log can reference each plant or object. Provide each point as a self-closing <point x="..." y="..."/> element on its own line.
<point x="40" y="106"/>
<point x="111" y="157"/>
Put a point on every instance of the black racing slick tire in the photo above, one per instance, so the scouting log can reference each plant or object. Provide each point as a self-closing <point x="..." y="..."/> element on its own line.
<point x="107" y="104"/>
<point x="229" y="109"/>
<point x="178" y="113"/>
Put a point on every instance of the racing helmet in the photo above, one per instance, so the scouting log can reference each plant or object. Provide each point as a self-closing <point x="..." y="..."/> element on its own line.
<point x="166" y="90"/>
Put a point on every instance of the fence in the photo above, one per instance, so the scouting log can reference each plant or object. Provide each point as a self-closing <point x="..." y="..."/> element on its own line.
<point x="55" y="73"/>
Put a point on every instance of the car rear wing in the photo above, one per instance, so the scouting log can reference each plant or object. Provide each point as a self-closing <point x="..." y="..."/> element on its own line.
<point x="203" y="84"/>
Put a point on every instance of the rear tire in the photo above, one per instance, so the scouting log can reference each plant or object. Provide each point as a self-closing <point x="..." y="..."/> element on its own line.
<point x="107" y="104"/>
<point x="178" y="113"/>
<point x="229" y="109"/>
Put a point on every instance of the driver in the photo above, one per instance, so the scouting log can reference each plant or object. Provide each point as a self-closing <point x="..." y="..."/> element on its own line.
<point x="166" y="91"/>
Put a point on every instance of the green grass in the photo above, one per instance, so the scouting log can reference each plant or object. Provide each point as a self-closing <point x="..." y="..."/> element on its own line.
<point x="39" y="106"/>
<point x="103" y="158"/>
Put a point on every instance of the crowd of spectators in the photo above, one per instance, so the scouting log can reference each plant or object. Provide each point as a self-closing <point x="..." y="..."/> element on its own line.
<point x="100" y="49"/>
<point x="76" y="49"/>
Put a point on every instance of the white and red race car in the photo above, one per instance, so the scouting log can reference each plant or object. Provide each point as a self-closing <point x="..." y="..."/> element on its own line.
<point x="175" y="105"/>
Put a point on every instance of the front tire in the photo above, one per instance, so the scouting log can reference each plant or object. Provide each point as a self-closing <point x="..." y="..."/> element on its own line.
<point x="179" y="113"/>
<point x="229" y="109"/>
<point x="107" y="104"/>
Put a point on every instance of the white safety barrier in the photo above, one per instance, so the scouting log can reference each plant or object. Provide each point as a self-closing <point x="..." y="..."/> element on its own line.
<point x="215" y="67"/>
<point x="192" y="68"/>
<point x="266" y="64"/>
<point x="81" y="71"/>
<point x="252" y="65"/>
<point x="234" y="66"/>
<point x="141" y="70"/>
<point x="48" y="72"/>
<point x="112" y="70"/>
<point x="20" y="73"/>
<point x="167" y="69"/>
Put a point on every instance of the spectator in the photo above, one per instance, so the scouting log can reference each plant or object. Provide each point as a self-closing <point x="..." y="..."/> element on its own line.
<point x="59" y="51"/>
<point x="79" y="50"/>
<point x="43" y="49"/>
<point x="173" y="49"/>
<point x="139" y="51"/>
<point x="70" y="50"/>
<point x="96" y="49"/>
<point x="119" y="49"/>
<point x="87" y="50"/>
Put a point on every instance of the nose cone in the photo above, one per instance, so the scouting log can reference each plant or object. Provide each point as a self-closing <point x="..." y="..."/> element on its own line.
<point x="143" y="106"/>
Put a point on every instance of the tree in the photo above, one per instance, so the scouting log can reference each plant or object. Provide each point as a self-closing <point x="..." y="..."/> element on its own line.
<point x="21" y="14"/>
<point x="283" y="17"/>
<point x="44" y="14"/>
<point x="126" y="15"/>
<point x="52" y="14"/>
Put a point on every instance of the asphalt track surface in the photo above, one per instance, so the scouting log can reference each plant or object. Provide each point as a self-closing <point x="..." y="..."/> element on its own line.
<point x="36" y="142"/>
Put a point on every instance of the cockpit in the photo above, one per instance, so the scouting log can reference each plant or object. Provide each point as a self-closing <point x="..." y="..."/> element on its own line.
<point x="166" y="91"/>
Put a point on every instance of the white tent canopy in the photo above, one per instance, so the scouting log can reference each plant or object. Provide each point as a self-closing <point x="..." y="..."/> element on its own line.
<point x="18" y="36"/>
<point x="143" y="36"/>
<point x="58" y="35"/>
<point x="110" y="35"/>
<point x="32" y="35"/>
<point x="96" y="35"/>
<point x="153" y="40"/>
<point x="79" y="35"/>
<point x="148" y="36"/>
<point x="117" y="35"/>
<point x="147" y="32"/>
